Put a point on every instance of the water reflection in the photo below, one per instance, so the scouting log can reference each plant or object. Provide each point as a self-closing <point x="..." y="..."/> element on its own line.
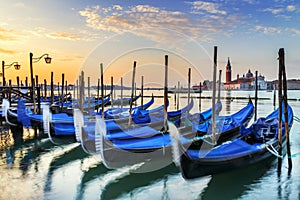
<point x="234" y="183"/>
<point x="22" y="149"/>
<point x="228" y="100"/>
<point x="127" y="184"/>
<point x="92" y="173"/>
<point x="69" y="154"/>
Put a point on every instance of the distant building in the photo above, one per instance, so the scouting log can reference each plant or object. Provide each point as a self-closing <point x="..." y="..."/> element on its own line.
<point x="292" y="84"/>
<point x="228" y="72"/>
<point x="207" y="85"/>
<point x="246" y="82"/>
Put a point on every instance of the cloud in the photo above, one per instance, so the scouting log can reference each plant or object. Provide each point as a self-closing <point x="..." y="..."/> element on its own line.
<point x="268" y="30"/>
<point x="213" y="8"/>
<point x="293" y="30"/>
<point x="8" y="35"/>
<point x="140" y="18"/>
<point x="64" y="36"/>
<point x="5" y="51"/>
<point x="19" y="5"/>
<point x="82" y="35"/>
<point x="291" y="8"/>
<point x="274" y="11"/>
<point x="71" y="58"/>
<point x="252" y="1"/>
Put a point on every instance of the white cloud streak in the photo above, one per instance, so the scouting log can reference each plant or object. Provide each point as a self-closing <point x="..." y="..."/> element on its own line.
<point x="138" y="19"/>
<point x="268" y="30"/>
<point x="279" y="10"/>
<point x="199" y="7"/>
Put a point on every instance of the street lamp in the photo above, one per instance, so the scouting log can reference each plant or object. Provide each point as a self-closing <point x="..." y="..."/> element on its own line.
<point x="4" y="66"/>
<point x="34" y="60"/>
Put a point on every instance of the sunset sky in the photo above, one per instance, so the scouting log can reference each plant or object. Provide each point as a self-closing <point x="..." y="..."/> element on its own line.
<point x="79" y="35"/>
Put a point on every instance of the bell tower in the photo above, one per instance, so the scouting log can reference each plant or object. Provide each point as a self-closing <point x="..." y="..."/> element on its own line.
<point x="228" y="72"/>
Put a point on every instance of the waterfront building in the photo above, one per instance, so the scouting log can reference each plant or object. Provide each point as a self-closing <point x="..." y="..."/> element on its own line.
<point x="246" y="82"/>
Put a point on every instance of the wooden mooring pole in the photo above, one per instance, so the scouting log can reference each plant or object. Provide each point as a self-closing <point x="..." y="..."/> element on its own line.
<point x="166" y="94"/>
<point x="214" y="96"/>
<point x="135" y="93"/>
<point x="89" y="92"/>
<point x="112" y="90"/>
<point x="45" y="89"/>
<point x="219" y="90"/>
<point x="98" y="94"/>
<point x="102" y="90"/>
<point x="200" y="91"/>
<point x="18" y="81"/>
<point x="52" y="89"/>
<point x="189" y="86"/>
<point x="274" y="96"/>
<point x="62" y="88"/>
<point x="132" y="92"/>
<point x="280" y="111"/>
<point x="178" y="88"/>
<point x="121" y="93"/>
<point x="255" y="101"/>
<point x="142" y="91"/>
<point x="286" y="125"/>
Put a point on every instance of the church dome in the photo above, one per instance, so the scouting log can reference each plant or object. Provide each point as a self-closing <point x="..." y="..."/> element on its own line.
<point x="249" y="74"/>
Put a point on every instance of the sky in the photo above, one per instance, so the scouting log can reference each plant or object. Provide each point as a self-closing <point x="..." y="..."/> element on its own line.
<point x="80" y="35"/>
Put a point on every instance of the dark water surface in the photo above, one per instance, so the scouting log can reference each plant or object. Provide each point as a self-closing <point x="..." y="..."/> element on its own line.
<point x="32" y="167"/>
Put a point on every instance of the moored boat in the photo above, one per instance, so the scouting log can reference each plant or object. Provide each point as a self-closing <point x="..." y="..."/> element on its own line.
<point x="146" y="144"/>
<point x="257" y="143"/>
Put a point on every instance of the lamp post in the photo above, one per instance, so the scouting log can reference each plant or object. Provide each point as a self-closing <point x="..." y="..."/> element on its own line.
<point x="4" y="66"/>
<point x="34" y="60"/>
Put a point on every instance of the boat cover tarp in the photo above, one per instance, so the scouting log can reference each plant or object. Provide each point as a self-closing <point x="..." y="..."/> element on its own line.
<point x="233" y="148"/>
<point x="262" y="129"/>
<point x="181" y="111"/>
<point x="114" y="113"/>
<point x="225" y="123"/>
<point x="133" y="132"/>
<point x="21" y="113"/>
<point x="63" y="129"/>
<point x="157" y="141"/>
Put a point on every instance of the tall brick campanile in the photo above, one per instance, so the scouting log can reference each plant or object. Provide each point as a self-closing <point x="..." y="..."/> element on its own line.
<point x="228" y="72"/>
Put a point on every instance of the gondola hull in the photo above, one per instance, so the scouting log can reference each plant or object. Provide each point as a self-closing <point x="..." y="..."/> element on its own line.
<point x="194" y="168"/>
<point x="257" y="143"/>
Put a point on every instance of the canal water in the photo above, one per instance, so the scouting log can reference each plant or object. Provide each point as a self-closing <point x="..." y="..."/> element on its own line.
<point x="32" y="167"/>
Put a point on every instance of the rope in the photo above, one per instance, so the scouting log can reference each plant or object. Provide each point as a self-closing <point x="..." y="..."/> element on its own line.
<point x="273" y="151"/>
<point x="295" y="155"/>
<point x="202" y="138"/>
<point x="297" y="119"/>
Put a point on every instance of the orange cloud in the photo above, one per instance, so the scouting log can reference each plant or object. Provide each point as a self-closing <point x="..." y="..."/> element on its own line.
<point x="5" y="51"/>
<point x="64" y="36"/>
<point x="7" y="35"/>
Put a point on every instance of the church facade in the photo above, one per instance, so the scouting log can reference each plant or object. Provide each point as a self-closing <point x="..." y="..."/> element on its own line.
<point x="245" y="82"/>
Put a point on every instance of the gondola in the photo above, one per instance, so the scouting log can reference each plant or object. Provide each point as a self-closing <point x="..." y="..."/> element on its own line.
<point x="119" y="113"/>
<point x="67" y="127"/>
<point x="17" y="116"/>
<point x="156" y="148"/>
<point x="153" y="118"/>
<point x="257" y="143"/>
<point x="61" y="124"/>
<point x="125" y="101"/>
